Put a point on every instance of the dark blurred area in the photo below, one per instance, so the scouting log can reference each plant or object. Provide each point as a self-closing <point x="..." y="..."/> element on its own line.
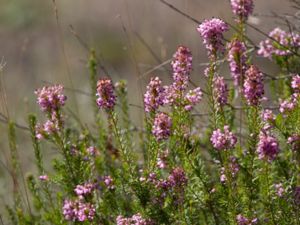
<point x="38" y="49"/>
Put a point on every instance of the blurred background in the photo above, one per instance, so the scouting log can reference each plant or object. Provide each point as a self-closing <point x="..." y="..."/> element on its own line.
<point x="130" y="37"/>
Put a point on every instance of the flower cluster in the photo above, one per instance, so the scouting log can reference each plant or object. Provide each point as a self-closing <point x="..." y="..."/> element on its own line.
<point x="162" y="159"/>
<point x="192" y="98"/>
<point x="268" y="147"/>
<point x="280" y="43"/>
<point x="106" y="98"/>
<point x="177" y="178"/>
<point x="242" y="8"/>
<point x="296" y="83"/>
<point x="267" y="115"/>
<point x="279" y="189"/>
<point x="237" y="60"/>
<point x="136" y="219"/>
<point x="109" y="182"/>
<point x="84" y="190"/>
<point x="220" y="90"/>
<point x="154" y="96"/>
<point x="253" y="86"/>
<point x="233" y="168"/>
<point x="223" y="140"/>
<point x="162" y="126"/>
<point x="78" y="210"/>
<point x="182" y="67"/>
<point x="294" y="141"/>
<point x="242" y="220"/>
<point x="51" y="98"/>
<point x="212" y="33"/>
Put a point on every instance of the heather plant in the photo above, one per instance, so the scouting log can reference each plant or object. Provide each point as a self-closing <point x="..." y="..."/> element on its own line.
<point x="240" y="167"/>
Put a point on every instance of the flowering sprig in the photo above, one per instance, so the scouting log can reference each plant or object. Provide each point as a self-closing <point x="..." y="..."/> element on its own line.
<point x="212" y="33"/>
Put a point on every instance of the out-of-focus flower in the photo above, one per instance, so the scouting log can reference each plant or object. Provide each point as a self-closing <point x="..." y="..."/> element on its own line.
<point x="192" y="98"/>
<point x="136" y="219"/>
<point x="279" y="189"/>
<point x="242" y="8"/>
<point x="294" y="141"/>
<point x="84" y="190"/>
<point x="296" y="83"/>
<point x="242" y="220"/>
<point x="109" y="182"/>
<point x="162" y="126"/>
<point x="78" y="211"/>
<point x="280" y="43"/>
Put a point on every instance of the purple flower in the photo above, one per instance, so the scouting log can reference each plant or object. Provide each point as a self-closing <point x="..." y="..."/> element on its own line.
<point x="220" y="90"/>
<point x="84" y="190"/>
<point x="51" y="98"/>
<point x="294" y="141"/>
<point x="289" y="104"/>
<point x="242" y="220"/>
<point x="242" y="8"/>
<point x="44" y="177"/>
<point x="192" y="98"/>
<point x="154" y="96"/>
<point x="182" y="67"/>
<point x="223" y="140"/>
<point x="237" y="60"/>
<point x="212" y="33"/>
<point x="136" y="219"/>
<point x="161" y="128"/>
<point x="92" y="151"/>
<point x="233" y="168"/>
<point x="279" y="189"/>
<point x="106" y="98"/>
<point x="177" y="178"/>
<point x="267" y="115"/>
<point x="109" y="182"/>
<point x="78" y="211"/>
<point x="68" y="210"/>
<point x="268" y="147"/>
<point x="51" y="126"/>
<point x="253" y="86"/>
<point x="296" y="83"/>
<point x="279" y="44"/>
<point x="162" y="159"/>
<point x="297" y="195"/>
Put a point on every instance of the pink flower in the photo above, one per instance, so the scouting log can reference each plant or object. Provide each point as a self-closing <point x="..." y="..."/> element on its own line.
<point x="192" y="98"/>
<point x="280" y="43"/>
<point x="212" y="33"/>
<point x="154" y="96"/>
<point x="85" y="189"/>
<point x="220" y="90"/>
<point x="253" y="86"/>
<point x="242" y="8"/>
<point x="51" y="98"/>
<point x="182" y="67"/>
<point x="161" y="128"/>
<point x="223" y="140"/>
<point x="296" y="83"/>
<point x="268" y="147"/>
<point x="44" y="177"/>
<point x="237" y="60"/>
<point x="106" y="98"/>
